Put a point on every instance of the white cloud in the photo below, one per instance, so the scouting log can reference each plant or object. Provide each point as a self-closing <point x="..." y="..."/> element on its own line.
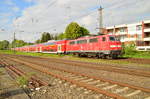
<point x="87" y="20"/>
<point x="48" y="15"/>
<point x="62" y="2"/>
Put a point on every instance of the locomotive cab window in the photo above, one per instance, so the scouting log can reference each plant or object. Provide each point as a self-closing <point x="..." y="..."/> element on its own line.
<point x="103" y="38"/>
<point x="111" y="38"/>
<point x="93" y="40"/>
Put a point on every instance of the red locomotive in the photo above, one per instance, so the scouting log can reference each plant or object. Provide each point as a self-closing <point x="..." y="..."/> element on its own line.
<point x="102" y="46"/>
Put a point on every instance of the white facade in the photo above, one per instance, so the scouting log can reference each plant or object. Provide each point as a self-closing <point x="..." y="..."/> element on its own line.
<point x="136" y="32"/>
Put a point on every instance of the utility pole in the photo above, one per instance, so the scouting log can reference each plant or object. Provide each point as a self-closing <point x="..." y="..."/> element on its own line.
<point x="100" y="20"/>
<point x="14" y="45"/>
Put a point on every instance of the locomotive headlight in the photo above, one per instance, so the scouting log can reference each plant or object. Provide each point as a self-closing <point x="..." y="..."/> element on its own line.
<point x="113" y="45"/>
<point x="119" y="45"/>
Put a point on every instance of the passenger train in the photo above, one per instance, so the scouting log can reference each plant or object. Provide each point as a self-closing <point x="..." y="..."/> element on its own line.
<point x="101" y="46"/>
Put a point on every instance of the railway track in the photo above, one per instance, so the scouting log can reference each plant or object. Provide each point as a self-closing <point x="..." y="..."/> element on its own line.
<point x="99" y="85"/>
<point x="97" y="67"/>
<point x="131" y="60"/>
<point x="33" y="82"/>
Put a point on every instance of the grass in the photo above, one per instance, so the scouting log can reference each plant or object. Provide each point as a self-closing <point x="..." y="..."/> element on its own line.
<point x="145" y="55"/>
<point x="1" y="71"/>
<point x="129" y="51"/>
<point x="105" y="61"/>
<point x="29" y="54"/>
<point x="22" y="80"/>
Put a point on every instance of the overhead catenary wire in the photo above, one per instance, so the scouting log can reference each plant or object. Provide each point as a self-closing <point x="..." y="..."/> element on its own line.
<point x="50" y="5"/>
<point x="70" y="19"/>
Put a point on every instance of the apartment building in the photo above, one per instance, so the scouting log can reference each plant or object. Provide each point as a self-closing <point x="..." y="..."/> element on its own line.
<point x="136" y="33"/>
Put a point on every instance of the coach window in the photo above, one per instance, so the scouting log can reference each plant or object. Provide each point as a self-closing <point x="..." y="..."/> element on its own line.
<point x="103" y="38"/>
<point x="93" y="40"/>
<point x="71" y="43"/>
<point x="81" y="41"/>
<point x="84" y="41"/>
<point x="78" y="42"/>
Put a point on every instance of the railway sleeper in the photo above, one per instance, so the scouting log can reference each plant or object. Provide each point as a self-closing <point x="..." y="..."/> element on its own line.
<point x="105" y="83"/>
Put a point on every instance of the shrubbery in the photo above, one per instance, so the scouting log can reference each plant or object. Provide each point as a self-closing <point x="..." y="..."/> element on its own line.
<point x="129" y="50"/>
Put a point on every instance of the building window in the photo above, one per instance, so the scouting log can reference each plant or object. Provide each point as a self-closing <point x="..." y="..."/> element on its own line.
<point x="139" y="36"/>
<point x="122" y="30"/>
<point x="93" y="40"/>
<point x="123" y="37"/>
<point x="139" y="27"/>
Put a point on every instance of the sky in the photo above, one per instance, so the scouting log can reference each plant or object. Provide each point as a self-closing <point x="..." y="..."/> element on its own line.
<point x="29" y="18"/>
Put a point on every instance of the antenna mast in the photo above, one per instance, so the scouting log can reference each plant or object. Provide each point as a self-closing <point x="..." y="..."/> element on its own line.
<point x="100" y="19"/>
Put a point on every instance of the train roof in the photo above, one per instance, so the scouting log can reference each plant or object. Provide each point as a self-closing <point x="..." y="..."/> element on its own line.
<point x="89" y="37"/>
<point x="48" y="43"/>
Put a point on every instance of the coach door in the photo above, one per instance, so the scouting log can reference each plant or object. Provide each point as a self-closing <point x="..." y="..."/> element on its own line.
<point x="104" y="44"/>
<point x="59" y="48"/>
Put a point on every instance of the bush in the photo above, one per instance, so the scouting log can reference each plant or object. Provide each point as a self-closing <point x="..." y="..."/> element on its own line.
<point x="129" y="50"/>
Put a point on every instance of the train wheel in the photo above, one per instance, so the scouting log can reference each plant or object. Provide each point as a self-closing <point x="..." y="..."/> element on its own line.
<point x="114" y="56"/>
<point x="79" y="55"/>
<point x="100" y="55"/>
<point x="109" y="57"/>
<point x="97" y="56"/>
<point x="103" y="56"/>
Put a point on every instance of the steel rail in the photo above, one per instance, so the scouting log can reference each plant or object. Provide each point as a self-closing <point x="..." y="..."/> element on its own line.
<point x="35" y="66"/>
<point x="97" y="78"/>
<point x="17" y="72"/>
<point x="105" y="68"/>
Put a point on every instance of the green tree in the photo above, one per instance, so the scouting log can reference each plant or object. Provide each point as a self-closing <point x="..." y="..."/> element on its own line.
<point x="73" y="31"/>
<point x="18" y="43"/>
<point x="46" y="36"/>
<point x="4" y="45"/>
<point x="61" y="36"/>
<point x="84" y="31"/>
<point x="38" y="41"/>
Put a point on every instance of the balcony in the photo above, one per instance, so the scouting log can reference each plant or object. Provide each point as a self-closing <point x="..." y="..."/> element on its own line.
<point x="147" y="29"/>
<point x="121" y="33"/>
<point x="143" y="48"/>
<point x="147" y="39"/>
<point x="110" y="33"/>
<point x="130" y="39"/>
<point x="123" y="40"/>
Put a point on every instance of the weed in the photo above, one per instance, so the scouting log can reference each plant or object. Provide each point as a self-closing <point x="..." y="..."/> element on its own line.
<point x="1" y="72"/>
<point x="22" y="80"/>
